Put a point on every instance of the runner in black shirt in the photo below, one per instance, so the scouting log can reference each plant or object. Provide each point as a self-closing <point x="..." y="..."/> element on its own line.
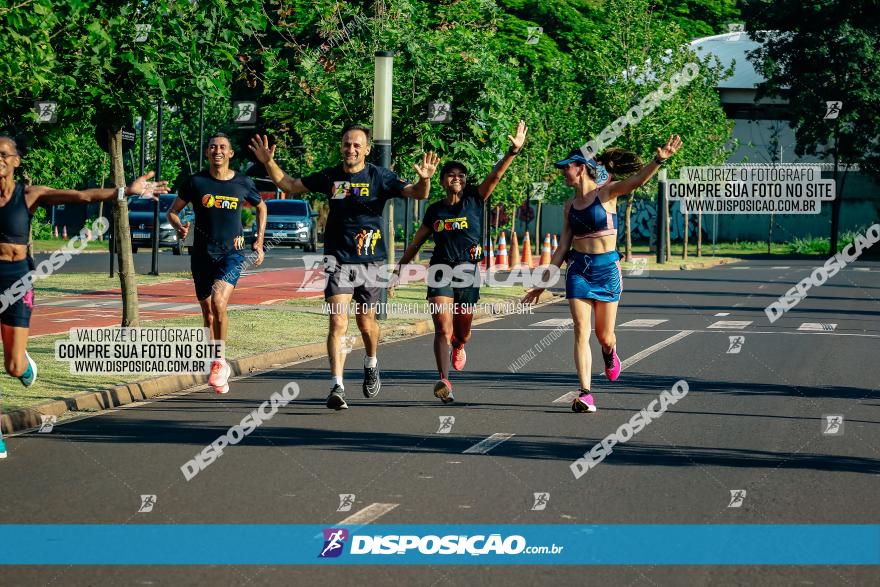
<point x="456" y="224"/>
<point x="217" y="197"/>
<point x="18" y="202"/>
<point x="354" y="242"/>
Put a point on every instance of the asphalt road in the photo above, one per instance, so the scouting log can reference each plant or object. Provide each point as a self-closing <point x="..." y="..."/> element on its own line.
<point x="752" y="421"/>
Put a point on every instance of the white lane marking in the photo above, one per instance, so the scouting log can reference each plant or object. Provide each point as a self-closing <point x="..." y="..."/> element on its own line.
<point x="179" y="307"/>
<point x="700" y="330"/>
<point x="860" y="269"/>
<point x="151" y="304"/>
<point x="723" y="314"/>
<point x="488" y="444"/>
<point x="781" y="267"/>
<point x="818" y="326"/>
<point x="630" y="361"/>
<point x="554" y="322"/>
<point x="369" y="514"/>
<point x="65" y="319"/>
<point x="732" y="324"/>
<point x="740" y="267"/>
<point x="643" y="322"/>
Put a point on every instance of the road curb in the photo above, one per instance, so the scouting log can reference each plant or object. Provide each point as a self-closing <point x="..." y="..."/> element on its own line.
<point x="121" y="395"/>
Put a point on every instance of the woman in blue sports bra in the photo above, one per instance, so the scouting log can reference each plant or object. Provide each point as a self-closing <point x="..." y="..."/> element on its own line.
<point x="589" y="245"/>
<point x="17" y="205"/>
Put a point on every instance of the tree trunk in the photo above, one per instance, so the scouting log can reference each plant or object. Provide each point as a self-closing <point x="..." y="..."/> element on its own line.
<point x="684" y="247"/>
<point x="668" y="232"/>
<point x="627" y="227"/>
<point x="390" y="233"/>
<point x="538" y="227"/>
<point x="699" y="233"/>
<point x="127" y="276"/>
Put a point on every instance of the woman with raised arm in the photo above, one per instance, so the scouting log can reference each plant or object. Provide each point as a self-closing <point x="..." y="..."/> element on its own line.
<point x="18" y="202"/>
<point x="589" y="244"/>
<point x="456" y="225"/>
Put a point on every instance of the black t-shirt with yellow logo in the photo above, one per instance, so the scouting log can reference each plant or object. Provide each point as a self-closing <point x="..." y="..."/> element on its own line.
<point x="217" y="205"/>
<point x="457" y="228"/>
<point x="354" y="233"/>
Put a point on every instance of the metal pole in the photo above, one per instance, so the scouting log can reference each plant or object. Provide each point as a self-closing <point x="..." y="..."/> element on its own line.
<point x="661" y="217"/>
<point x="143" y="146"/>
<point x="155" y="264"/>
<point x="201" y="153"/>
<point x="382" y="144"/>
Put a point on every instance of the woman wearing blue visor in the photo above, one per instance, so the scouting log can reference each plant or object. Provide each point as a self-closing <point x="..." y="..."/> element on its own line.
<point x="589" y="244"/>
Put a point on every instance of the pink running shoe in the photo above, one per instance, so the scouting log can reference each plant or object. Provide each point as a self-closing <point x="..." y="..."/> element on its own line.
<point x="583" y="403"/>
<point x="443" y="391"/>
<point x="612" y="364"/>
<point x="458" y="356"/>
<point x="219" y="377"/>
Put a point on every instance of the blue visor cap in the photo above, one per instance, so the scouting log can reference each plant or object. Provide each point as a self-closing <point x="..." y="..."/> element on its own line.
<point x="576" y="156"/>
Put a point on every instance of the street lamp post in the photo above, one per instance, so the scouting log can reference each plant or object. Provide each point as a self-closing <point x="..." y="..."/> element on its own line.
<point x="382" y="144"/>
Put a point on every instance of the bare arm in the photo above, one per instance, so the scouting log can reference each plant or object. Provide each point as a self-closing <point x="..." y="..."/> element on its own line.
<point x="422" y="189"/>
<point x="266" y="155"/>
<point x="516" y="142"/>
<point x="174" y="219"/>
<point x="558" y="258"/>
<point x="261" y="230"/>
<point x="632" y="183"/>
<point x="412" y="250"/>
<point x="38" y="195"/>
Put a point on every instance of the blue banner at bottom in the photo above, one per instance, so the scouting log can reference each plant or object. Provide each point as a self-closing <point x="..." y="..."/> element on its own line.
<point x="227" y="544"/>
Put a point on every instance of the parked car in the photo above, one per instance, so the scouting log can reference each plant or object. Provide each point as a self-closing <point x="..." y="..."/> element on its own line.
<point x="140" y="220"/>
<point x="292" y="222"/>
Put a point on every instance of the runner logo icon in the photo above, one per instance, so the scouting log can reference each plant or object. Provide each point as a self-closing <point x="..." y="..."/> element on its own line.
<point x="334" y="541"/>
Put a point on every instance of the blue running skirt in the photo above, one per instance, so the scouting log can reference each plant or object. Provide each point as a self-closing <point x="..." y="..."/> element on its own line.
<point x="593" y="276"/>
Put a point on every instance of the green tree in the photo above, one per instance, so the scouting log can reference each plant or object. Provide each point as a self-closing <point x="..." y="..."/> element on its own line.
<point x="829" y="51"/>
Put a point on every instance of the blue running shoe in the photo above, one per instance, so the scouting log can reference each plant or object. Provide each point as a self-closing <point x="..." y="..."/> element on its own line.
<point x="2" y="449"/>
<point x="30" y="374"/>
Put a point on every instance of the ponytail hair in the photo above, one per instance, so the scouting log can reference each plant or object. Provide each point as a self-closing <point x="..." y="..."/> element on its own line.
<point x="620" y="162"/>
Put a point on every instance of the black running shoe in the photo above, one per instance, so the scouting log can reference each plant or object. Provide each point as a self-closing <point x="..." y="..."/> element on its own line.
<point x="372" y="385"/>
<point x="336" y="399"/>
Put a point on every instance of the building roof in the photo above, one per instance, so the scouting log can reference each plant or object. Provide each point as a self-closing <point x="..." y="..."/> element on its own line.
<point x="728" y="48"/>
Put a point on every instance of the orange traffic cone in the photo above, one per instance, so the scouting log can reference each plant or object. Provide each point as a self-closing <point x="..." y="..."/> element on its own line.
<point x="501" y="253"/>
<point x="514" y="250"/>
<point x="55" y="231"/>
<point x="546" y="253"/>
<point x="527" y="251"/>
<point x="488" y="258"/>
<point x="555" y="245"/>
<point x="64" y="235"/>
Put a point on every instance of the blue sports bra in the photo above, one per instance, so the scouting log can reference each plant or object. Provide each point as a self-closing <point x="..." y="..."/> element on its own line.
<point x="593" y="221"/>
<point x="15" y="218"/>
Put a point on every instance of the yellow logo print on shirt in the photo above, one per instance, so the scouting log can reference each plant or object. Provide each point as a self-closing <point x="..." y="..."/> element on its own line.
<point x="366" y="240"/>
<point x="222" y="202"/>
<point x="451" y="224"/>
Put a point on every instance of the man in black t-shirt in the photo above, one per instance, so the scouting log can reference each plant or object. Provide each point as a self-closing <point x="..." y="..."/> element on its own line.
<point x="217" y="197"/>
<point x="354" y="242"/>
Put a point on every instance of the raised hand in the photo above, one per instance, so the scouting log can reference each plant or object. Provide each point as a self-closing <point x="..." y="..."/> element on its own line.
<point x="516" y="142"/>
<point x="145" y="188"/>
<point x="428" y="166"/>
<point x="668" y="150"/>
<point x="261" y="149"/>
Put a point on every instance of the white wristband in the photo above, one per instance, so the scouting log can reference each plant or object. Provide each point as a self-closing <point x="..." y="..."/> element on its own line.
<point x="120" y="193"/>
